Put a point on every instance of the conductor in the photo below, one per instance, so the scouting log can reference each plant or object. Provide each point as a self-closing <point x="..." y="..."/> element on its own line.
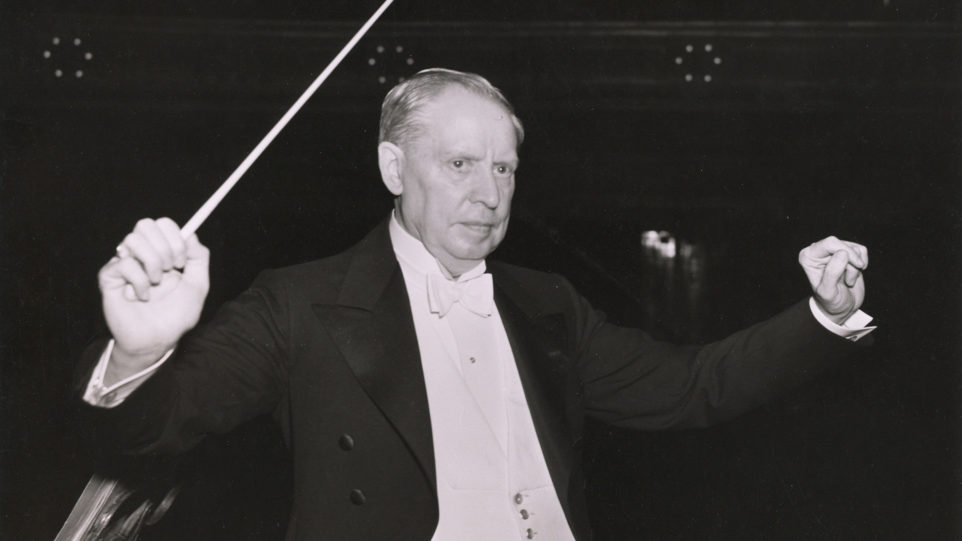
<point x="424" y="390"/>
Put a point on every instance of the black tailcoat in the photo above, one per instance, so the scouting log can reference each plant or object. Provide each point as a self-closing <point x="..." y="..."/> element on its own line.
<point x="329" y="348"/>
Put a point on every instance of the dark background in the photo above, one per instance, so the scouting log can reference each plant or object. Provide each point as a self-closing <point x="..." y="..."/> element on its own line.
<point x="816" y="119"/>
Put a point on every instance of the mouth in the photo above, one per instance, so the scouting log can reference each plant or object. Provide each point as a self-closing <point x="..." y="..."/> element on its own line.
<point x="480" y="227"/>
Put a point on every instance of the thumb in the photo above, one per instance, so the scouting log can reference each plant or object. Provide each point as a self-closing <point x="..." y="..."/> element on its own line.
<point x="196" y="269"/>
<point x="851" y="275"/>
<point x="833" y="274"/>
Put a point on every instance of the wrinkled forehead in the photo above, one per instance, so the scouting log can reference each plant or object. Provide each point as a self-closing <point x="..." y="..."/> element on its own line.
<point x="457" y="112"/>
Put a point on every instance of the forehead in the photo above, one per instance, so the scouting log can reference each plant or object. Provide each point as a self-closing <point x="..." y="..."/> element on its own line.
<point x="459" y="116"/>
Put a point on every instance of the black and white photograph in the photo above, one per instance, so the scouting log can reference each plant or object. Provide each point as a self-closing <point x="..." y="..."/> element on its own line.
<point x="453" y="271"/>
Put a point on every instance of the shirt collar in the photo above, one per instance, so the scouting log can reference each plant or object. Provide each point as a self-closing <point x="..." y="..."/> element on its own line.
<point x="412" y="252"/>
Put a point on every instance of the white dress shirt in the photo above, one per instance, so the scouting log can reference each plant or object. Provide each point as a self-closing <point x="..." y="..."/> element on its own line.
<point x="493" y="481"/>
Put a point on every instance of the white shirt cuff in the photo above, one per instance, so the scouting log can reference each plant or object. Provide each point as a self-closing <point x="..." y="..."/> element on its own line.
<point x="107" y="397"/>
<point x="854" y="328"/>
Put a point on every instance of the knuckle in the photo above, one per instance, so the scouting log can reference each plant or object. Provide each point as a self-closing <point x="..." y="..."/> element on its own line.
<point x="102" y="278"/>
<point x="140" y="282"/>
<point x="124" y="266"/>
<point x="148" y="256"/>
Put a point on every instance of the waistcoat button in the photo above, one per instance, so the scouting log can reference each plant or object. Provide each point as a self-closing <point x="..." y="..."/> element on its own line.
<point x="346" y="442"/>
<point x="357" y="497"/>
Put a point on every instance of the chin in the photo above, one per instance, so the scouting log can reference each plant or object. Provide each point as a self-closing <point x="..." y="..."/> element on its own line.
<point x="477" y="250"/>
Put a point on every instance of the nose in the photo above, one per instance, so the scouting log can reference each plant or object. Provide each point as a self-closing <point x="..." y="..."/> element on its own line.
<point x="486" y="190"/>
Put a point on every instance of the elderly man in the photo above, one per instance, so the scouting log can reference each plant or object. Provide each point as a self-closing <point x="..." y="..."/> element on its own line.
<point x="421" y="396"/>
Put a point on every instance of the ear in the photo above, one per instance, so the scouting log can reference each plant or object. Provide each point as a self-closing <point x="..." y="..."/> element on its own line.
<point x="390" y="159"/>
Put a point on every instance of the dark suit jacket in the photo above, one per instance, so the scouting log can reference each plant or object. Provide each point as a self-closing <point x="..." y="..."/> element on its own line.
<point x="329" y="347"/>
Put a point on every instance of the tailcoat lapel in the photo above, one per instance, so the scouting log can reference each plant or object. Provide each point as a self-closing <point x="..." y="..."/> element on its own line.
<point x="372" y="326"/>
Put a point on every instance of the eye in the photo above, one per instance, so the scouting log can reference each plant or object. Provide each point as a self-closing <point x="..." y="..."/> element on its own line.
<point x="457" y="164"/>
<point x="503" y="170"/>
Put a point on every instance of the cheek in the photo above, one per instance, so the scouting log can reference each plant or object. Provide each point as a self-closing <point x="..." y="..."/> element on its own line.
<point x="440" y="214"/>
<point x="507" y="193"/>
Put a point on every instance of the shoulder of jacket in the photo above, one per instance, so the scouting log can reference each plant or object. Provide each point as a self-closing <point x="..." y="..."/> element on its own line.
<point x="305" y="278"/>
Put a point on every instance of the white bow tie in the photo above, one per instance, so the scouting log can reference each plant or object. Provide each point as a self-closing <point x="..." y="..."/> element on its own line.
<point x="476" y="294"/>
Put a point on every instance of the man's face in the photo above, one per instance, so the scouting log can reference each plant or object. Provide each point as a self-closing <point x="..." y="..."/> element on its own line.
<point x="457" y="178"/>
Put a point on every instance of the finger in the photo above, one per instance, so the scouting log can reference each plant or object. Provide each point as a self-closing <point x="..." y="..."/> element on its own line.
<point x="108" y="277"/>
<point x="820" y="252"/>
<point x="833" y="274"/>
<point x="860" y="251"/>
<point x="171" y="232"/>
<point x="851" y="274"/>
<point x="813" y="259"/>
<point x="142" y="251"/>
<point x="151" y="231"/>
<point x="133" y="275"/>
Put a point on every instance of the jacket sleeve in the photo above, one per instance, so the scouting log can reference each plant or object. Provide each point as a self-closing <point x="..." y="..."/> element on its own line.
<point x="631" y="380"/>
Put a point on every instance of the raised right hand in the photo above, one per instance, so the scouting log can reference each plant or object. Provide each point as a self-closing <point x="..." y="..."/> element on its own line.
<point x="154" y="293"/>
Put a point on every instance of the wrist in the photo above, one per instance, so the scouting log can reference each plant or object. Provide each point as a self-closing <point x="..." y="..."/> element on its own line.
<point x="853" y="328"/>
<point x="124" y="364"/>
<point x="836" y="317"/>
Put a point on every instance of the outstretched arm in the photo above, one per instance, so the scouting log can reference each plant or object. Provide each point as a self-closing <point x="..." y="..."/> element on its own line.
<point x="633" y="381"/>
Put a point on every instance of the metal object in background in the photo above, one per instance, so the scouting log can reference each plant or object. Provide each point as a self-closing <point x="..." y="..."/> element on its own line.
<point x="116" y="509"/>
